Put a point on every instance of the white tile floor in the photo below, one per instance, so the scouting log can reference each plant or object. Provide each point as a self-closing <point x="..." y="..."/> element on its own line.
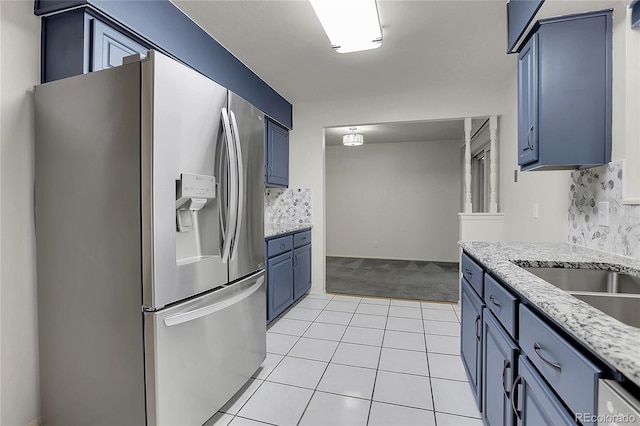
<point x="342" y="360"/>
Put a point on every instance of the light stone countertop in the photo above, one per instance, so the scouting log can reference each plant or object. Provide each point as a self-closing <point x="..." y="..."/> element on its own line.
<point x="272" y="229"/>
<point x="614" y="342"/>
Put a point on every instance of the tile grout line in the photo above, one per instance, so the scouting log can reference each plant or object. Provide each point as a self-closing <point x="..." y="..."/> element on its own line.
<point x="426" y="352"/>
<point x="375" y="379"/>
<point x="315" y="390"/>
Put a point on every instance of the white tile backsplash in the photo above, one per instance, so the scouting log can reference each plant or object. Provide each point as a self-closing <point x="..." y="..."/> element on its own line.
<point x="603" y="184"/>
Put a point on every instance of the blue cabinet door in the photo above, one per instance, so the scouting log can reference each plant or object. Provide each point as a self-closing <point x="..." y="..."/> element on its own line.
<point x="528" y="102"/>
<point x="77" y="42"/>
<point x="471" y="337"/>
<point x="279" y="284"/>
<point x="565" y="93"/>
<point x="111" y="46"/>
<point x="277" y="155"/>
<point x="301" y="270"/>
<point x="499" y="361"/>
<point x="537" y="404"/>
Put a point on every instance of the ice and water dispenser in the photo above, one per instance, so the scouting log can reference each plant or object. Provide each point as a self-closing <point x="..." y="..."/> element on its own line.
<point x="196" y="236"/>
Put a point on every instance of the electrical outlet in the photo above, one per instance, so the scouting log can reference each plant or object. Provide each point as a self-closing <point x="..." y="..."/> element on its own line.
<point x="536" y="211"/>
<point x="603" y="213"/>
<point x="375" y="244"/>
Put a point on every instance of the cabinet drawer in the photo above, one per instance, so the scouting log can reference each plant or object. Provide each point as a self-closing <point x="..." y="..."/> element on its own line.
<point x="573" y="376"/>
<point x="473" y="273"/>
<point x="301" y="238"/>
<point x="279" y="245"/>
<point x="502" y="303"/>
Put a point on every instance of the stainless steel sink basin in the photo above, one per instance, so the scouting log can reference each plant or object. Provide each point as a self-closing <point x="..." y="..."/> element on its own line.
<point x="588" y="280"/>
<point x="623" y="307"/>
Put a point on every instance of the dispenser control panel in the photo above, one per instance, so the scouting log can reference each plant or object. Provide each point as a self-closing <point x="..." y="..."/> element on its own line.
<point x="196" y="186"/>
<point x="193" y="192"/>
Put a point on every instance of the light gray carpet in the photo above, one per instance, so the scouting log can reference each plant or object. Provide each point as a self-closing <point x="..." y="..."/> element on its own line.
<point x="400" y="279"/>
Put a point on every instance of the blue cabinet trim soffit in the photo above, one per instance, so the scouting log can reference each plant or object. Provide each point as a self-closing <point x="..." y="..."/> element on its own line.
<point x="635" y="14"/>
<point x="167" y="29"/>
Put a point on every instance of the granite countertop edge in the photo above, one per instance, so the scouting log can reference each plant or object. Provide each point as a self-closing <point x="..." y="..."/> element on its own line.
<point x="613" y="341"/>
<point x="274" y="230"/>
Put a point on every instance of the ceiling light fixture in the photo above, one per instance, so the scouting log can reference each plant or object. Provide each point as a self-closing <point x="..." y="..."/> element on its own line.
<point x="351" y="25"/>
<point x="353" y="138"/>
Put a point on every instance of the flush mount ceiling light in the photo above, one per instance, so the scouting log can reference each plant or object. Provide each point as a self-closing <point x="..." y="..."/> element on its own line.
<point x="351" y="25"/>
<point x="353" y="138"/>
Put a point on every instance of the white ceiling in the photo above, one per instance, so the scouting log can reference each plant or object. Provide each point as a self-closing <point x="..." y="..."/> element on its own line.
<point x="426" y="44"/>
<point x="417" y="131"/>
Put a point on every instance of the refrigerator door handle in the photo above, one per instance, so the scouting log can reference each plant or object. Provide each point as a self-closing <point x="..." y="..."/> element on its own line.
<point x="232" y="208"/>
<point x="214" y="307"/>
<point x="240" y="182"/>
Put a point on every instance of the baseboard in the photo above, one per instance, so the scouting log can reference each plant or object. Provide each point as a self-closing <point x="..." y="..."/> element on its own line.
<point x="393" y="258"/>
<point x="35" y="422"/>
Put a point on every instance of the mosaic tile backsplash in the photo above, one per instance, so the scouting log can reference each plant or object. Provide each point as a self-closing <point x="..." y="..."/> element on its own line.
<point x="590" y="186"/>
<point x="287" y="206"/>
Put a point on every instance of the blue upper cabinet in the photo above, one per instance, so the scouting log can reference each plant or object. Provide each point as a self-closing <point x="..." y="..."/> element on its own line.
<point x="564" y="93"/>
<point x="76" y="42"/>
<point x="109" y="46"/>
<point x="519" y="14"/>
<point x="276" y="155"/>
<point x="79" y="35"/>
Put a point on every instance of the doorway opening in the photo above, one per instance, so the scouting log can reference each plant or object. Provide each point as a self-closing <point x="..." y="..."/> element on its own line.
<point x="392" y="210"/>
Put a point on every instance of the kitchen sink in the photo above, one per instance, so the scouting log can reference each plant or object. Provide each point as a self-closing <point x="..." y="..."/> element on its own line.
<point x="623" y="307"/>
<point x="589" y="280"/>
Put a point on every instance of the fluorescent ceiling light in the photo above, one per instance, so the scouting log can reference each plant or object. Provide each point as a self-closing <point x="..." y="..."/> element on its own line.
<point x="351" y="25"/>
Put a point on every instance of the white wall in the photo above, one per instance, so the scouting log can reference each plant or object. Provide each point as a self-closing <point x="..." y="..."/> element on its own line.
<point x="393" y="200"/>
<point x="548" y="189"/>
<point x="0" y="214"/>
<point x="19" y="52"/>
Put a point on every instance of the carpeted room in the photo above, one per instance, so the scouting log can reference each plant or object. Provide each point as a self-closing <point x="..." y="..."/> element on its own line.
<point x="392" y="211"/>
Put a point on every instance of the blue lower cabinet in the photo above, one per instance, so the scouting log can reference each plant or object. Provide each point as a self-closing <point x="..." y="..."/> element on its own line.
<point x="499" y="363"/>
<point x="279" y="284"/>
<point x="471" y="337"/>
<point x="301" y="270"/>
<point x="288" y="270"/>
<point x="522" y="369"/>
<point x="534" y="402"/>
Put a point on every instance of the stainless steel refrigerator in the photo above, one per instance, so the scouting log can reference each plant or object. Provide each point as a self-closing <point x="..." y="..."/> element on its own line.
<point x="150" y="245"/>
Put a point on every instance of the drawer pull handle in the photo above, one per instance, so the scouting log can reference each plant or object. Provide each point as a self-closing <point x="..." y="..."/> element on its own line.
<point x="505" y="366"/>
<point x="514" y="397"/>
<point x="493" y="300"/>
<point x="282" y="246"/>
<point x="477" y="320"/>
<point x="537" y="348"/>
<point x="468" y="272"/>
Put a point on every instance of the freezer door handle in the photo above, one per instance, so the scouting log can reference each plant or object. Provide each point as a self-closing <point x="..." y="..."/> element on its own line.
<point x="214" y="307"/>
<point x="240" y="182"/>
<point x="233" y="191"/>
